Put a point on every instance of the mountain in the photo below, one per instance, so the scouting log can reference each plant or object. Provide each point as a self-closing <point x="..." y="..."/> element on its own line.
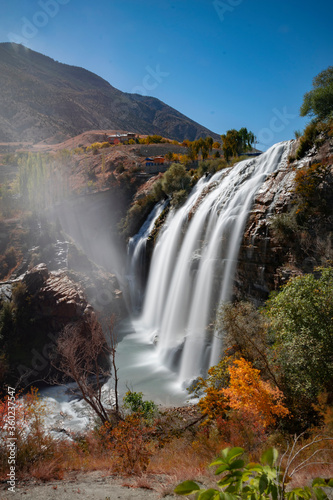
<point x="41" y="98"/>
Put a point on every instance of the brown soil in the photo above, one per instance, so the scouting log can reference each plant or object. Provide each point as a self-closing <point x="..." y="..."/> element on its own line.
<point x="95" y="485"/>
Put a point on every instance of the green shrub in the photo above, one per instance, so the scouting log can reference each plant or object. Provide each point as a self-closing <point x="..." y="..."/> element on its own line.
<point x="133" y="401"/>
<point x="253" y="481"/>
<point x="178" y="198"/>
<point x="301" y="323"/>
<point x="176" y="178"/>
<point x="136" y="215"/>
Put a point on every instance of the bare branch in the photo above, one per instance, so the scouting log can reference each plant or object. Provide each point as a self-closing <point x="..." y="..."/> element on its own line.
<point x="84" y="356"/>
<point x="305" y="464"/>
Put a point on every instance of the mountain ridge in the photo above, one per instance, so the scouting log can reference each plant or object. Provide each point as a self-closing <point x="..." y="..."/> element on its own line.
<point x="41" y="98"/>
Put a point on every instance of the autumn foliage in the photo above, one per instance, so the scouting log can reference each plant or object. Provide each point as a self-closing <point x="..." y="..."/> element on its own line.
<point x="246" y="394"/>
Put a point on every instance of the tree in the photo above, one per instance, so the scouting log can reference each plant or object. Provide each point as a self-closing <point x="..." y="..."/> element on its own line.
<point x="231" y="143"/>
<point x="245" y="331"/>
<point x="176" y="178"/>
<point x="318" y="102"/>
<point x="246" y="139"/>
<point x="134" y="402"/>
<point x="251" y="395"/>
<point x="235" y="142"/>
<point x="301" y="323"/>
<point x="169" y="156"/>
<point x="234" y="386"/>
<point x="83" y="356"/>
<point x="192" y="152"/>
<point x="209" y="143"/>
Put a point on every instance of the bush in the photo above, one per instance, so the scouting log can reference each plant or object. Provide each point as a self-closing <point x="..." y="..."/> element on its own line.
<point x="301" y="322"/>
<point x="134" y="402"/>
<point x="307" y="188"/>
<point x="307" y="140"/>
<point x="136" y="215"/>
<point x="179" y="197"/>
<point x="36" y="451"/>
<point x="132" y="445"/>
<point x="254" y="481"/>
<point x="154" y="139"/>
<point x="284" y="225"/>
<point x="176" y="178"/>
<point x="94" y="147"/>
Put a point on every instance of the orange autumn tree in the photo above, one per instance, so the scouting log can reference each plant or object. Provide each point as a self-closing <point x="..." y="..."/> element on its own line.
<point x="248" y="393"/>
<point x="213" y="405"/>
<point x="237" y="386"/>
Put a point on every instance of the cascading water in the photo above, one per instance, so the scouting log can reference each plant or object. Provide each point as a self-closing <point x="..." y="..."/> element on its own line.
<point x="191" y="273"/>
<point x="194" y="262"/>
<point x="136" y="258"/>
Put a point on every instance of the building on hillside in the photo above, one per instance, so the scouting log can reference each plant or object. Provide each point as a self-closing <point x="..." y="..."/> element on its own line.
<point x="121" y="138"/>
<point x="157" y="160"/>
<point x="149" y="162"/>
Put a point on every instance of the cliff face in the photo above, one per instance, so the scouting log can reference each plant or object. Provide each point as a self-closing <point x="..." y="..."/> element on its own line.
<point x="42" y="303"/>
<point x="281" y="240"/>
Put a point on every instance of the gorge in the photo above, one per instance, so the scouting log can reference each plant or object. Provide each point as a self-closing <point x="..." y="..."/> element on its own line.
<point x="225" y="242"/>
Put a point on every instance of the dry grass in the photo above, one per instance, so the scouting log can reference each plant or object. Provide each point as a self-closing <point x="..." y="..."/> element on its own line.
<point x="47" y="471"/>
<point x="170" y="460"/>
<point x="183" y="459"/>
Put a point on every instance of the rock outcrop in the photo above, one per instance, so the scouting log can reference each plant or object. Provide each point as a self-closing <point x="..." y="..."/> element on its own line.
<point x="43" y="303"/>
<point x="269" y="258"/>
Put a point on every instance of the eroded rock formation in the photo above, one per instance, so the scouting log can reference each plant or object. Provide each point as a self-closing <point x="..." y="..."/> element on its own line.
<point x="267" y="257"/>
<point x="42" y="304"/>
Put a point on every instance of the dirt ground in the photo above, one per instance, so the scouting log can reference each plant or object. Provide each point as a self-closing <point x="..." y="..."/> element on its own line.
<point x="93" y="485"/>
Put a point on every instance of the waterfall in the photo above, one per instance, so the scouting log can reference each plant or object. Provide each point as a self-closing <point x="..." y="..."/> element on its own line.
<point x="136" y="258"/>
<point x="194" y="263"/>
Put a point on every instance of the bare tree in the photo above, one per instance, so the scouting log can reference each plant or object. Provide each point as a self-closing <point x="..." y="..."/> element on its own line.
<point x="85" y="356"/>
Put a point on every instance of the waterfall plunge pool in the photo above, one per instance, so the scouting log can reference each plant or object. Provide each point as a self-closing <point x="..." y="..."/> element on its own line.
<point x="141" y="370"/>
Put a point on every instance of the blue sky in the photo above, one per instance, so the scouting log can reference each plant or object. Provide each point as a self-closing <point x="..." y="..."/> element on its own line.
<point x="224" y="63"/>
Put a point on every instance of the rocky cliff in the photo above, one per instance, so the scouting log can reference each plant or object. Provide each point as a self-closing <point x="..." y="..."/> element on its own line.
<point x="36" y="308"/>
<point x="289" y="232"/>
